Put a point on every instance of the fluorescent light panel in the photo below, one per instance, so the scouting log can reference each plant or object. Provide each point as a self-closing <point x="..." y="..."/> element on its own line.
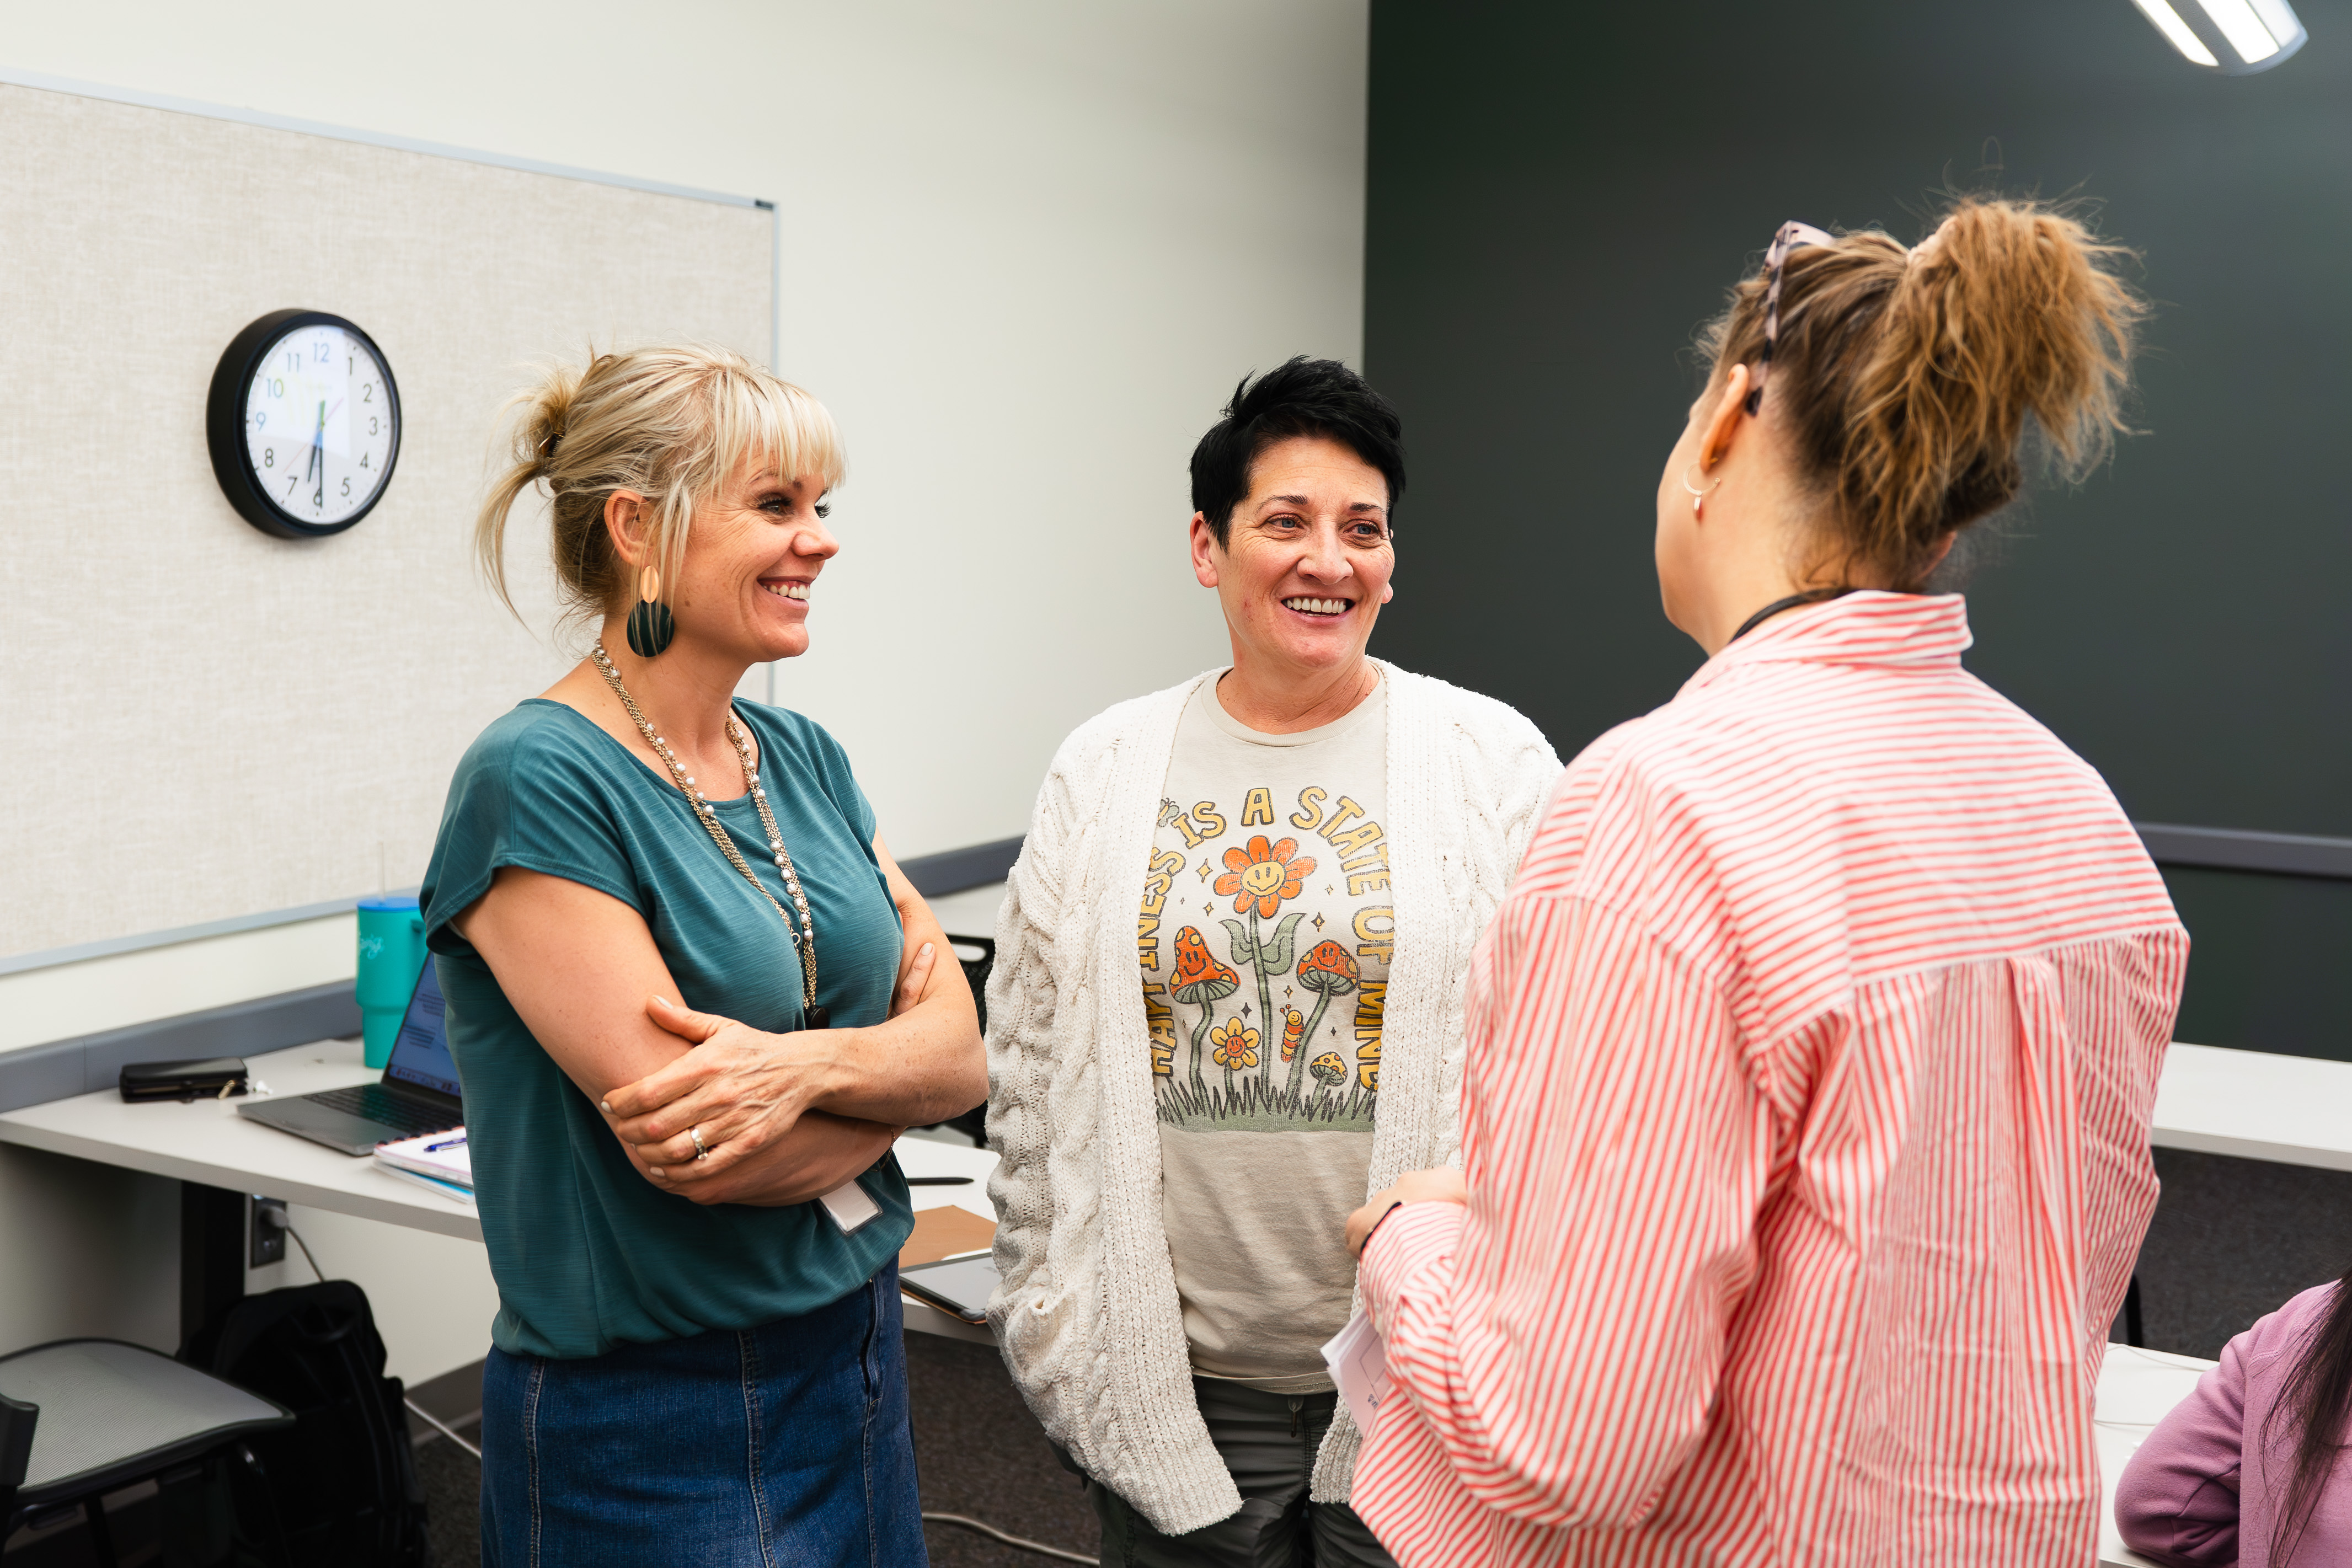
<point x="2168" y="22"/>
<point x="2283" y="24"/>
<point x="2244" y="30"/>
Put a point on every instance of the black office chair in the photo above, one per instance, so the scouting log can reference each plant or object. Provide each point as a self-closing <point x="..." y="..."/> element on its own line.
<point x="973" y="1123"/>
<point x="83" y="1417"/>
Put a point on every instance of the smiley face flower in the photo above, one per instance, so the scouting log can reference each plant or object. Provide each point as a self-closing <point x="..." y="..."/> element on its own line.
<point x="1235" y="1046"/>
<point x="1264" y="875"/>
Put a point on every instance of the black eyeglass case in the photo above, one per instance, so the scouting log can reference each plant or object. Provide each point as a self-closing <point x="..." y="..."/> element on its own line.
<point x="214" y="1078"/>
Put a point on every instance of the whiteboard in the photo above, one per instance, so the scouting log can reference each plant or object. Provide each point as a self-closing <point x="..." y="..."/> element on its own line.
<point x="203" y="721"/>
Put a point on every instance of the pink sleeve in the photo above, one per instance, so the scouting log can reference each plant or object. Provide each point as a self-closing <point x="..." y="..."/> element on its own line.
<point x="2177" y="1501"/>
<point x="1563" y="1336"/>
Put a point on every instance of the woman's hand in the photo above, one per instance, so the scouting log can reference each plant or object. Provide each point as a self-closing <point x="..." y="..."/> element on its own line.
<point x="741" y="1089"/>
<point x="915" y="980"/>
<point x="1413" y="1186"/>
<point x="821" y="1153"/>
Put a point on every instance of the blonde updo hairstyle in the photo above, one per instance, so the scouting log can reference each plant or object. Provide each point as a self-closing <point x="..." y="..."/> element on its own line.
<point x="1902" y="380"/>
<point x="669" y="423"/>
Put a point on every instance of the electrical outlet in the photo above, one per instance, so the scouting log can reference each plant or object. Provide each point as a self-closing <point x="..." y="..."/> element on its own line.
<point x="266" y="1223"/>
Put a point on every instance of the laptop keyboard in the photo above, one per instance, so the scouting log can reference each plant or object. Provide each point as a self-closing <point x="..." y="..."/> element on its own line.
<point x="377" y="1103"/>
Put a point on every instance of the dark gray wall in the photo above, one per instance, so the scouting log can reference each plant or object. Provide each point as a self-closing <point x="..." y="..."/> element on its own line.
<point x="1557" y="196"/>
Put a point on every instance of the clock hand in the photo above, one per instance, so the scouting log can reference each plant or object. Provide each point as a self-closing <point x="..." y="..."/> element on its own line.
<point x="318" y="457"/>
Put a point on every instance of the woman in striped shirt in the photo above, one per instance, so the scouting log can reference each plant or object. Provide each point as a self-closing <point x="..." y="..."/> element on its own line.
<point x="1811" y="1055"/>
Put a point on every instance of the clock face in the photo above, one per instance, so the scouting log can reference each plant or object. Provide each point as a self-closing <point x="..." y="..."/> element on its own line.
<point x="304" y="424"/>
<point x="319" y="428"/>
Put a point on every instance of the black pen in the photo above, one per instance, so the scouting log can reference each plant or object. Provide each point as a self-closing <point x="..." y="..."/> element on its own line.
<point x="939" y="1181"/>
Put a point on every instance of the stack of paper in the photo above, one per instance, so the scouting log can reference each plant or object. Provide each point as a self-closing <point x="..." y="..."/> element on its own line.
<point x="437" y="1161"/>
<point x="1359" y="1366"/>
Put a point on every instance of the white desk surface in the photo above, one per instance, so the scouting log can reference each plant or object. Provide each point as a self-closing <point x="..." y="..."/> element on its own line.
<point x="208" y="1142"/>
<point x="2292" y="1110"/>
<point x="2135" y="1388"/>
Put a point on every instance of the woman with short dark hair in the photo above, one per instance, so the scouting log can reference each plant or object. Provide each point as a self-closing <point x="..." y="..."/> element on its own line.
<point x="1227" y="1001"/>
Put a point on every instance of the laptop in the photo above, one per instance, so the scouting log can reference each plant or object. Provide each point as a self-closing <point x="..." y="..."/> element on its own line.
<point x="417" y="1095"/>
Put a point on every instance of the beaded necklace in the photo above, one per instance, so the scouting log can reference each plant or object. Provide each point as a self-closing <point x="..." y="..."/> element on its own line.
<point x="805" y="937"/>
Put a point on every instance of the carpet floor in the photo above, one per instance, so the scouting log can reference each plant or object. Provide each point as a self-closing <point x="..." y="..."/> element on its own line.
<point x="978" y="1452"/>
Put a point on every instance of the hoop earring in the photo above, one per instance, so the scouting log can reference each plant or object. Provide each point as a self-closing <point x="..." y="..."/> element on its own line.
<point x="651" y="625"/>
<point x="1697" y="495"/>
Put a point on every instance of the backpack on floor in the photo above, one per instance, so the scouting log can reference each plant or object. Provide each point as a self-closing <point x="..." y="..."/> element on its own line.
<point x="343" y="1479"/>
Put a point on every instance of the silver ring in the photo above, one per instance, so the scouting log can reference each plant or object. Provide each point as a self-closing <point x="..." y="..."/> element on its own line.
<point x="700" y="1152"/>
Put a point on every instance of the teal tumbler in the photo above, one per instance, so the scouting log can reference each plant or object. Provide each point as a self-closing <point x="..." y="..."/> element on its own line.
<point x="392" y="953"/>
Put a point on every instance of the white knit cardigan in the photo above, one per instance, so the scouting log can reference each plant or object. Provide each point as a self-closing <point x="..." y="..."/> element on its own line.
<point x="1088" y="1315"/>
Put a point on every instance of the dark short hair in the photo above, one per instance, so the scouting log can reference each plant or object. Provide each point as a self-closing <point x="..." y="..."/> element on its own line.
<point x="1299" y="397"/>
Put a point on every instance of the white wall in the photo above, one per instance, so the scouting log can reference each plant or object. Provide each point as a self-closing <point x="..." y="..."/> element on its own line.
<point x="1028" y="248"/>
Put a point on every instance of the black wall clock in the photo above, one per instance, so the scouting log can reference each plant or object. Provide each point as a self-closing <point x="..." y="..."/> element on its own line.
<point x="303" y="422"/>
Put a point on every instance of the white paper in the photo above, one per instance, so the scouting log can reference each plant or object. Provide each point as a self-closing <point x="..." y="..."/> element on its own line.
<point x="443" y="1154"/>
<point x="851" y="1206"/>
<point x="1359" y="1366"/>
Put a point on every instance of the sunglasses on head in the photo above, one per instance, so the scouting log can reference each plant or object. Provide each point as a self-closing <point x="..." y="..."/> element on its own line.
<point x="1790" y="235"/>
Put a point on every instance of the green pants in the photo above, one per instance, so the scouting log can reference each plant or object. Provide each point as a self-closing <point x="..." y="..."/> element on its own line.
<point x="1268" y="1442"/>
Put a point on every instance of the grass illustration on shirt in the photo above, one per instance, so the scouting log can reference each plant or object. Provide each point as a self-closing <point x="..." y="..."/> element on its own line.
<point x="1264" y="948"/>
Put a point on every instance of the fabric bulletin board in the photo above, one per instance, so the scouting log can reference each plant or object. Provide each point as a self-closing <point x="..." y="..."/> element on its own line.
<point x="208" y="723"/>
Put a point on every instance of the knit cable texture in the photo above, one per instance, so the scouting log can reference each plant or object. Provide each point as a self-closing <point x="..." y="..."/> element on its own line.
<point x="1088" y="1315"/>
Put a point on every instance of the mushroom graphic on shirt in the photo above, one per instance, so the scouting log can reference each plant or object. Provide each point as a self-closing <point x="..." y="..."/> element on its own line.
<point x="1328" y="1068"/>
<point x="1328" y="970"/>
<point x="1203" y="981"/>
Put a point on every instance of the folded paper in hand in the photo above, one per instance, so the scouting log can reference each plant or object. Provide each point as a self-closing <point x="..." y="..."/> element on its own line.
<point x="1359" y="1366"/>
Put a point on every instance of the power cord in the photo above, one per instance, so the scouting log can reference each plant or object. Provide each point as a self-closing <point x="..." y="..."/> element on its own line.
<point x="273" y="1215"/>
<point x="431" y="1420"/>
<point x="307" y="1257"/>
<point x="1039" y="1547"/>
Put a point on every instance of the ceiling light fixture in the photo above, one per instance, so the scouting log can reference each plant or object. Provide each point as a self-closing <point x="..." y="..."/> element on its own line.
<point x="2235" y="37"/>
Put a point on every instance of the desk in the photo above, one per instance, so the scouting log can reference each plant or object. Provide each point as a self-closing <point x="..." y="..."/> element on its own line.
<point x="2290" y="1110"/>
<point x="2135" y="1388"/>
<point x="220" y="1156"/>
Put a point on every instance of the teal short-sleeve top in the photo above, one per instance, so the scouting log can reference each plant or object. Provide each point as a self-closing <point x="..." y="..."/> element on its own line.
<point x="587" y="1253"/>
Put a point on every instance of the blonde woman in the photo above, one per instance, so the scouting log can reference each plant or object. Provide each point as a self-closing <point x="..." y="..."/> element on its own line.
<point x="690" y="996"/>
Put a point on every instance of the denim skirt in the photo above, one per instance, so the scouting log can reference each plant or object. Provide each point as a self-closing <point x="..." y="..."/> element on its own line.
<point x="785" y="1444"/>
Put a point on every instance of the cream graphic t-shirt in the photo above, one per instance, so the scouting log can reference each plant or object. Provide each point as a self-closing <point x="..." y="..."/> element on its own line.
<point x="1265" y="938"/>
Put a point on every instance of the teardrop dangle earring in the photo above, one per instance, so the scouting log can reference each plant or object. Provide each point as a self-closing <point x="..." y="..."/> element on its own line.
<point x="651" y="625"/>
<point x="1697" y="495"/>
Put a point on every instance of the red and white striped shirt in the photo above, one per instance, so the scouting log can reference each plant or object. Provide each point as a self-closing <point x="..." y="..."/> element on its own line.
<point x="1810" y="1065"/>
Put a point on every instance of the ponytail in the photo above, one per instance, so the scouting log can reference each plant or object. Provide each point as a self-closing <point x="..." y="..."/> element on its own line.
<point x="1905" y="377"/>
<point x="540" y="413"/>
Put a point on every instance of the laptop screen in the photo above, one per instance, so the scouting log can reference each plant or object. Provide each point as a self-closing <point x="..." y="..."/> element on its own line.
<point x="420" y="1053"/>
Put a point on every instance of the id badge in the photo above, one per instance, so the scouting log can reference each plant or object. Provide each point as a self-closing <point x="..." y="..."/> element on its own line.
<point x="851" y="1206"/>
